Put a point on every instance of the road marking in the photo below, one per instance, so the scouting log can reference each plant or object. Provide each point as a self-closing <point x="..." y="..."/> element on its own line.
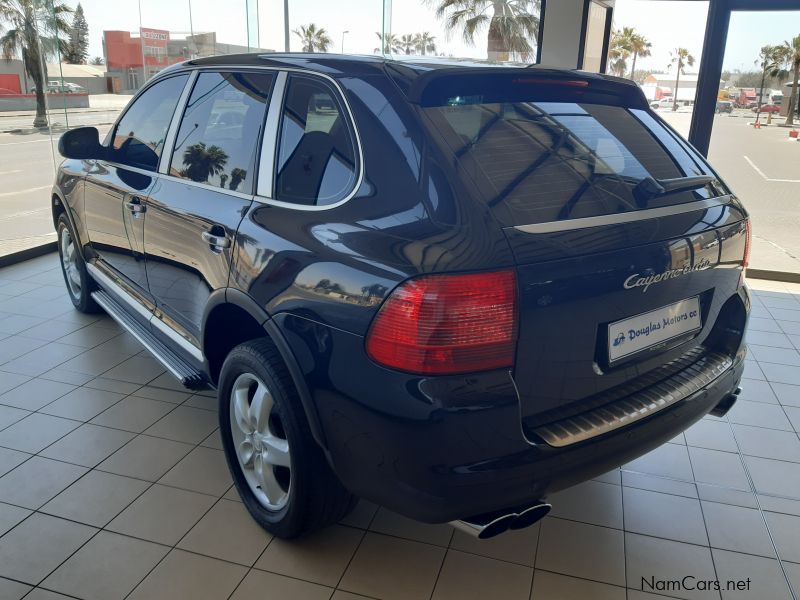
<point x="10" y="172"/>
<point x="27" y="213"/>
<point x="760" y="172"/>
<point x="26" y="142"/>
<point x="34" y="189"/>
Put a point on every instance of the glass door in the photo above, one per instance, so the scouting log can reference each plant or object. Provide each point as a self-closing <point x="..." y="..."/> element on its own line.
<point x="753" y="141"/>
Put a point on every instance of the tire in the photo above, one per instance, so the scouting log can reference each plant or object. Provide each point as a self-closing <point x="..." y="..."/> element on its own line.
<point x="80" y="284"/>
<point x="287" y="501"/>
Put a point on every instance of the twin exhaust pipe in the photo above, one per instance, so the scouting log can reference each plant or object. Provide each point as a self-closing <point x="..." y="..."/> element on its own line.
<point x="489" y="525"/>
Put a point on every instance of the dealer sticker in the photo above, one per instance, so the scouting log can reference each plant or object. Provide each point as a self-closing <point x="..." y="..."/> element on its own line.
<point x="638" y="333"/>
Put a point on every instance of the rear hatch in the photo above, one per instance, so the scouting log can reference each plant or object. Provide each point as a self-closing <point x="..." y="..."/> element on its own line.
<point x="627" y="244"/>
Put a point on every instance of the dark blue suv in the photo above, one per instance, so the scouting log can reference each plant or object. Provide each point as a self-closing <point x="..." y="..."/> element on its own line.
<point x="445" y="287"/>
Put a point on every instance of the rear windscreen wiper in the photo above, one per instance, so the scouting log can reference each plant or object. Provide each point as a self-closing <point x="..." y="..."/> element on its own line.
<point x="649" y="188"/>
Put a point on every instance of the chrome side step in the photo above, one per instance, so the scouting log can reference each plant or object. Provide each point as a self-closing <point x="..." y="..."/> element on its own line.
<point x="180" y="369"/>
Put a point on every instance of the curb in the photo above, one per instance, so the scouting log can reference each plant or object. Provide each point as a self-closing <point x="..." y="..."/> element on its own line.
<point x="784" y="276"/>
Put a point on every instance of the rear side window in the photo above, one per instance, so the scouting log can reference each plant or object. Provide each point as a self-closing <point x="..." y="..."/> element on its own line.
<point x="537" y="162"/>
<point x="316" y="161"/>
<point x="139" y="137"/>
<point x="219" y="132"/>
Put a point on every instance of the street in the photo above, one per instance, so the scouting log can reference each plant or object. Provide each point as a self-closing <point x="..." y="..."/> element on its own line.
<point x="27" y="170"/>
<point x="761" y="166"/>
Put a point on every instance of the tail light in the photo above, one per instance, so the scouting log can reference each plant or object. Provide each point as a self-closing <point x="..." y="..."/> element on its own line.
<point x="748" y="243"/>
<point x="447" y="324"/>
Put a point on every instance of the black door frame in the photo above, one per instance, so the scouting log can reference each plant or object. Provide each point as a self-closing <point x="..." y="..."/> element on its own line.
<point x="716" y="38"/>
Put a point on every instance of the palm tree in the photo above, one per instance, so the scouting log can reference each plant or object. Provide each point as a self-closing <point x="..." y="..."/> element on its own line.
<point x="237" y="176"/>
<point x="513" y="24"/>
<point x="408" y="43"/>
<point x="425" y="42"/>
<point x="770" y="59"/>
<point x="619" y="50"/>
<point x="680" y="58"/>
<point x="639" y="46"/>
<point x="791" y="57"/>
<point x="203" y="162"/>
<point x="34" y="32"/>
<point x="313" y="39"/>
<point x="391" y="44"/>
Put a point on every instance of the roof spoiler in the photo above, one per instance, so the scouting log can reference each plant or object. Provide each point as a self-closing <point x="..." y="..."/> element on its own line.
<point x="434" y="87"/>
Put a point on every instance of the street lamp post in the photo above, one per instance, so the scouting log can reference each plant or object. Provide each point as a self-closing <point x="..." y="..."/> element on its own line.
<point x="343" y="34"/>
<point x="286" y="24"/>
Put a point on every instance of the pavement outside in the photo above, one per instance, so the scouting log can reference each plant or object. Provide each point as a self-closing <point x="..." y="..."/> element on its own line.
<point x="762" y="166"/>
<point x="113" y="486"/>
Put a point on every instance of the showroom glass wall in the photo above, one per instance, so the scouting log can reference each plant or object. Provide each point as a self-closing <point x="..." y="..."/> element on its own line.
<point x="131" y="41"/>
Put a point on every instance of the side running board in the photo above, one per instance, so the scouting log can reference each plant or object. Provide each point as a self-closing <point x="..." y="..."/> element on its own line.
<point x="180" y="369"/>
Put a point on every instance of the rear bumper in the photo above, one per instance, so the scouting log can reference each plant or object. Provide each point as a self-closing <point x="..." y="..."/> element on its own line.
<point x="442" y="449"/>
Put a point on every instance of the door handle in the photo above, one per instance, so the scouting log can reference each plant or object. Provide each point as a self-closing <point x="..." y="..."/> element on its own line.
<point x="217" y="242"/>
<point x="135" y="206"/>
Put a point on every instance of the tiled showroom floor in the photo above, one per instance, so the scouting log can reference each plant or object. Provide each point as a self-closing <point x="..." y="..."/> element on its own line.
<point x="113" y="485"/>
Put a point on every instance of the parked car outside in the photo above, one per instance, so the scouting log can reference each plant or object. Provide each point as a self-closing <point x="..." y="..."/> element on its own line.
<point x="663" y="103"/>
<point x="56" y="87"/>
<point x="449" y="289"/>
<point x="767" y="108"/>
<point x="723" y="106"/>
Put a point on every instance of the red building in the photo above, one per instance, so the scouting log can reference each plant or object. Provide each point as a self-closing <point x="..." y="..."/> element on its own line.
<point x="134" y="59"/>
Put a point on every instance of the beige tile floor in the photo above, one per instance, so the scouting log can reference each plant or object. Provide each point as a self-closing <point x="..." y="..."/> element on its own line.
<point x="113" y="485"/>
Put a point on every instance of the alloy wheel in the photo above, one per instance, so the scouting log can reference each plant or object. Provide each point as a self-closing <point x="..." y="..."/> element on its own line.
<point x="69" y="262"/>
<point x="260" y="441"/>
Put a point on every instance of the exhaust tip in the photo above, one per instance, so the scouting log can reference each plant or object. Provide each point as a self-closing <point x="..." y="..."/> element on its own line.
<point x="496" y="527"/>
<point x="532" y="515"/>
<point x="490" y="525"/>
<point x="721" y="409"/>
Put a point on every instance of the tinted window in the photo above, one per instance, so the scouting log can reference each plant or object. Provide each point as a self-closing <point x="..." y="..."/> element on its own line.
<point x="316" y="154"/>
<point x="139" y="137"/>
<point x="548" y="161"/>
<point x="219" y="132"/>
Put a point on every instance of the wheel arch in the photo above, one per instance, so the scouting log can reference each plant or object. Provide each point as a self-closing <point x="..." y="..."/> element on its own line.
<point x="232" y="318"/>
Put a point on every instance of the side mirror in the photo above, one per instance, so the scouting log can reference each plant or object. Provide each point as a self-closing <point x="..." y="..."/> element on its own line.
<point x="80" y="143"/>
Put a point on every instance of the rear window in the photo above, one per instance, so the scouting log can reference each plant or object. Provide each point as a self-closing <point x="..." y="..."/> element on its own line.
<point x="537" y="162"/>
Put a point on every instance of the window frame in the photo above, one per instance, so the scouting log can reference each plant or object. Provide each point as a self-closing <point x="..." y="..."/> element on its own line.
<point x="169" y="137"/>
<point x="177" y="117"/>
<point x="267" y="144"/>
<point x="267" y="172"/>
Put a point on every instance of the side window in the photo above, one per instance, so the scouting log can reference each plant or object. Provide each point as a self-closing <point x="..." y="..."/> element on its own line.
<point x="218" y="137"/>
<point x="139" y="138"/>
<point x="316" y="153"/>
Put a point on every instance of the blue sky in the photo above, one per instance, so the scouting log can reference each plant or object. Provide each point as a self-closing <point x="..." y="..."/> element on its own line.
<point x="667" y="23"/>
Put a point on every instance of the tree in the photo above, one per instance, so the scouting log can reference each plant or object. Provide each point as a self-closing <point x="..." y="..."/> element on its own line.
<point x="770" y="60"/>
<point x="34" y="31"/>
<point x="97" y="60"/>
<point x="425" y="42"/>
<point x="619" y="50"/>
<point x="203" y="162"/>
<point x="313" y="39"/>
<point x="78" y="45"/>
<point x="513" y="24"/>
<point x="391" y="44"/>
<point x="639" y="46"/>
<point x="790" y="56"/>
<point x="639" y="75"/>
<point x="407" y="43"/>
<point x="237" y="176"/>
<point x="680" y="58"/>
